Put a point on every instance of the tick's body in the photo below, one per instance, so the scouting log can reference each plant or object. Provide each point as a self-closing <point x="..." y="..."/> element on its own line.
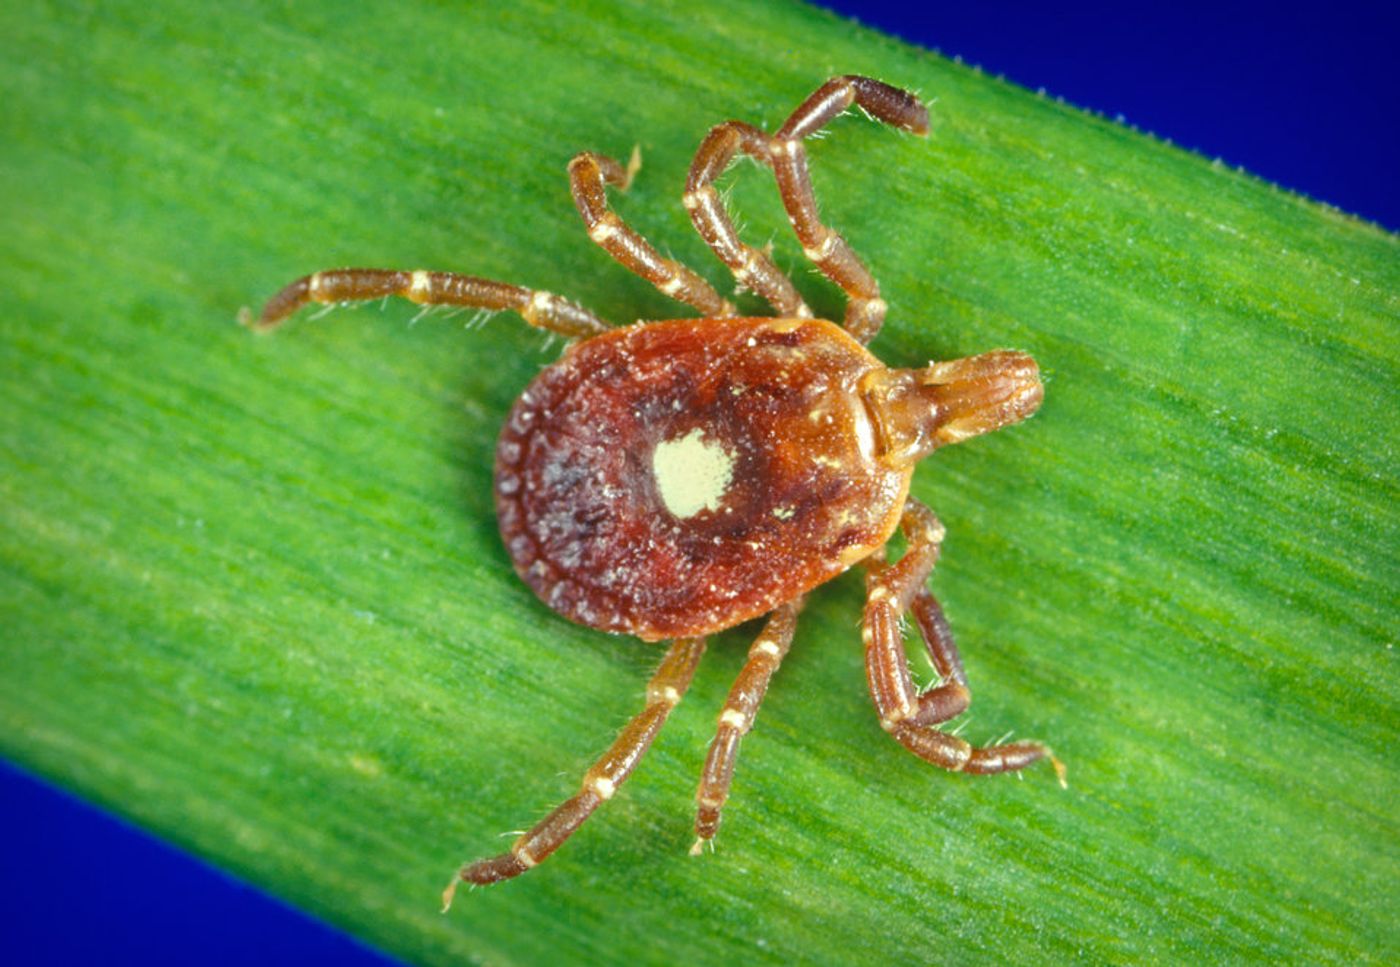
<point x="673" y="479"/>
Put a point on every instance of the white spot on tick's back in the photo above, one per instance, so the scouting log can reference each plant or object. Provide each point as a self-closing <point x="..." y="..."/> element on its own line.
<point x="692" y="473"/>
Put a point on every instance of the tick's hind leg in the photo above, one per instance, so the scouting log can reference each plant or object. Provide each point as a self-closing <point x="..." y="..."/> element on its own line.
<point x="589" y="176"/>
<point x="737" y="718"/>
<point x="865" y="310"/>
<point x="430" y="289"/>
<point x="905" y="713"/>
<point x="664" y="691"/>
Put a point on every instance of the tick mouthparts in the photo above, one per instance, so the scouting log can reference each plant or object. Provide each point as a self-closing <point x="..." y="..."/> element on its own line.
<point x="916" y="411"/>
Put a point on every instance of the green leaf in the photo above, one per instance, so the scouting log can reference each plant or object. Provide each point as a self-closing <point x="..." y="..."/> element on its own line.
<point x="253" y="597"/>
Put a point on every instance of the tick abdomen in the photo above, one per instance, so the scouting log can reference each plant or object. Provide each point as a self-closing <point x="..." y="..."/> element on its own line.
<point x="677" y="478"/>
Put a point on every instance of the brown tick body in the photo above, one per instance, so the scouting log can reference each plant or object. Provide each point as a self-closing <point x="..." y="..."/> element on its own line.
<point x="673" y="479"/>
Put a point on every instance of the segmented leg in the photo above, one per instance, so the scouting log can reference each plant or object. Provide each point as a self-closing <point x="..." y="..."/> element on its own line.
<point x="904" y="712"/>
<point x="589" y="176"/>
<point x="664" y="691"/>
<point x="865" y="310"/>
<point x="751" y="267"/>
<point x="765" y="655"/>
<point x="937" y="637"/>
<point x="430" y="289"/>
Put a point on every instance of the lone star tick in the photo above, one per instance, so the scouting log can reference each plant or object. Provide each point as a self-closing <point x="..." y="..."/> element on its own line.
<point x="670" y="480"/>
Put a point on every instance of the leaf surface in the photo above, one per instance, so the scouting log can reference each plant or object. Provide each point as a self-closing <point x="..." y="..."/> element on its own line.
<point x="254" y="599"/>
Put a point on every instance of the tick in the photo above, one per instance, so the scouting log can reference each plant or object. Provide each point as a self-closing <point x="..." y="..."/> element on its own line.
<point x="670" y="480"/>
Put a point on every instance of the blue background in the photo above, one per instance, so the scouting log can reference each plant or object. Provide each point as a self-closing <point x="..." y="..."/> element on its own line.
<point x="1305" y="98"/>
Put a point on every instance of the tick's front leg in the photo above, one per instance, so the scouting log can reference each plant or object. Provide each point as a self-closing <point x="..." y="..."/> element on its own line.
<point x="905" y="713"/>
<point x="752" y="267"/>
<point x="865" y="310"/>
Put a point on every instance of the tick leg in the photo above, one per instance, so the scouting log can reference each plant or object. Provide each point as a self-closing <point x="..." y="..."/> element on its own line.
<point x="737" y="718"/>
<point x="589" y="174"/>
<point x="950" y="697"/>
<point x="904" y="712"/>
<point x="865" y="310"/>
<point x="751" y="267"/>
<point x="664" y="691"/>
<point x="430" y="289"/>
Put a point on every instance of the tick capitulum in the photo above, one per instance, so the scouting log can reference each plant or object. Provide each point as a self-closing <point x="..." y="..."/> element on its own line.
<point x="670" y="480"/>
